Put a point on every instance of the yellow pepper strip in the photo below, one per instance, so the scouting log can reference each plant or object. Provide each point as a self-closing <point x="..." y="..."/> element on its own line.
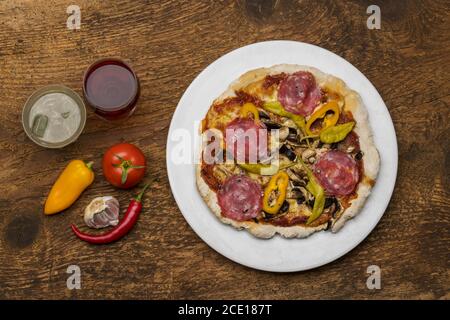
<point x="75" y="178"/>
<point x="336" y="133"/>
<point x="317" y="191"/>
<point x="259" y="168"/>
<point x="278" y="184"/>
<point x="319" y="204"/>
<point x="250" y="108"/>
<point x="276" y="108"/>
<point x="319" y="199"/>
<point x="322" y="113"/>
<point x="264" y="169"/>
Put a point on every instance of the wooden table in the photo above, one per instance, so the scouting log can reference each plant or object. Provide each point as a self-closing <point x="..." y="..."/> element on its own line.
<point x="169" y="43"/>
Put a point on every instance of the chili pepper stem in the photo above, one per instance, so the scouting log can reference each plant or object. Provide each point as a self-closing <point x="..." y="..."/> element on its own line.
<point x="138" y="198"/>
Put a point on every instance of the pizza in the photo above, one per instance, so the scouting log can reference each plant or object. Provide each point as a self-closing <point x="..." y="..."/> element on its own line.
<point x="286" y="150"/>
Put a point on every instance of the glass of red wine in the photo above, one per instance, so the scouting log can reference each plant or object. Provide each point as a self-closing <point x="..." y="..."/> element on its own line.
<point x="111" y="88"/>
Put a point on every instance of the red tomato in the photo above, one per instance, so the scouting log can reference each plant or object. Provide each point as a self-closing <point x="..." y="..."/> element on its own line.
<point x="124" y="165"/>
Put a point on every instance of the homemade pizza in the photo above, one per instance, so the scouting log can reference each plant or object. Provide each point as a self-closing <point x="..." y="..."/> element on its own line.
<point x="288" y="150"/>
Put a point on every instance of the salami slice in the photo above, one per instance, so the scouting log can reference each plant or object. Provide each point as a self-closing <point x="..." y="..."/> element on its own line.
<point x="299" y="94"/>
<point x="337" y="172"/>
<point x="246" y="140"/>
<point x="240" y="198"/>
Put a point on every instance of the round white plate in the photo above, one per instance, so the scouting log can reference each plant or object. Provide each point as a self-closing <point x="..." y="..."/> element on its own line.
<point x="276" y="254"/>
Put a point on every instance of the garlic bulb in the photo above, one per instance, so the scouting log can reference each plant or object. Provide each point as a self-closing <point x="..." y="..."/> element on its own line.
<point x="102" y="212"/>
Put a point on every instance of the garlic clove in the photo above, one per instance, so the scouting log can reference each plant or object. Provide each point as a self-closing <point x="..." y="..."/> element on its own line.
<point x="102" y="212"/>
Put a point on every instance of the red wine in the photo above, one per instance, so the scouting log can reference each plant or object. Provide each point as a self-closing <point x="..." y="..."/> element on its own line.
<point x="111" y="88"/>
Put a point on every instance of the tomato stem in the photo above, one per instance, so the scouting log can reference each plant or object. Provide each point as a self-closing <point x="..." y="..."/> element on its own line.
<point x="125" y="165"/>
<point x="124" y="175"/>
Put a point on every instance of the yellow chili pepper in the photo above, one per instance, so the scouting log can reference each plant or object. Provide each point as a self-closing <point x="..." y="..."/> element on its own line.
<point x="264" y="169"/>
<point x="317" y="191"/>
<point x="319" y="199"/>
<point x="250" y="108"/>
<point x="260" y="168"/>
<point x="278" y="184"/>
<point x="276" y="108"/>
<point x="75" y="178"/>
<point x="336" y="133"/>
<point x="323" y="113"/>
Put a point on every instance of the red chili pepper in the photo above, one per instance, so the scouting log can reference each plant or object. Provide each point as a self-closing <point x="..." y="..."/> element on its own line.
<point x="124" y="226"/>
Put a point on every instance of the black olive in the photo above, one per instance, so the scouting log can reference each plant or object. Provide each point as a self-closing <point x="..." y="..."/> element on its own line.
<point x="288" y="152"/>
<point x="301" y="199"/>
<point x="263" y="115"/>
<point x="284" y="207"/>
<point x="300" y="183"/>
<point x="270" y="124"/>
<point x="295" y="193"/>
<point x="292" y="138"/>
<point x="336" y="203"/>
<point x="359" y="155"/>
<point x="329" y="202"/>
<point x="336" y="209"/>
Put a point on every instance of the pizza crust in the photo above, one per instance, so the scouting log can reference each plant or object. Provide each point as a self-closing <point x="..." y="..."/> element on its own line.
<point x="371" y="158"/>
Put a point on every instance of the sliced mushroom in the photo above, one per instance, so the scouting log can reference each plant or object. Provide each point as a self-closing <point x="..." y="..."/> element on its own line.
<point x="289" y="123"/>
<point x="308" y="153"/>
<point x="284" y="133"/>
<point x="293" y="176"/>
<point x="299" y="150"/>
<point x="223" y="171"/>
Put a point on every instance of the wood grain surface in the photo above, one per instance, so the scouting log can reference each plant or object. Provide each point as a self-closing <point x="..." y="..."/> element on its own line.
<point x="168" y="43"/>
